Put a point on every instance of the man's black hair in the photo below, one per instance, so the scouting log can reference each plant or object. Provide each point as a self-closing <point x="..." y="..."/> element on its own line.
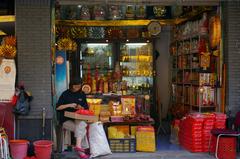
<point x="75" y="81"/>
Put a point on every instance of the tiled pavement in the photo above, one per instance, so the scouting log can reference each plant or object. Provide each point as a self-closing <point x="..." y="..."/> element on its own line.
<point x="157" y="155"/>
<point x="165" y="150"/>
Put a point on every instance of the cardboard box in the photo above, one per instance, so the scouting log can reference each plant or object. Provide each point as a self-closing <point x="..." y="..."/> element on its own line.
<point x="87" y="118"/>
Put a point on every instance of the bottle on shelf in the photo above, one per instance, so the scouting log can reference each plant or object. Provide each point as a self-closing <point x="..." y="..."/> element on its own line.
<point x="101" y="84"/>
<point x="94" y="85"/>
<point x="96" y="77"/>
<point x="105" y="86"/>
<point x="89" y="77"/>
<point x="124" y="87"/>
<point x="110" y="81"/>
<point x="203" y="25"/>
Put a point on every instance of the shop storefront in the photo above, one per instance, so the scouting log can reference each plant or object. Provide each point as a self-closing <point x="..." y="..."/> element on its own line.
<point x="140" y="63"/>
<point x="115" y="50"/>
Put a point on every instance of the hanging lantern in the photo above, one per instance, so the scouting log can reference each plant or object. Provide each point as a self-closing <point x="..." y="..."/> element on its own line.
<point x="215" y="31"/>
<point x="8" y="51"/>
<point x="10" y="40"/>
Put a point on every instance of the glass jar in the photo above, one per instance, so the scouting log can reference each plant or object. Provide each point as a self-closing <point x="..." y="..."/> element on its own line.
<point x="140" y="12"/>
<point x="115" y="12"/>
<point x="130" y="12"/>
<point x="85" y="13"/>
<point x="99" y="13"/>
<point x="159" y="11"/>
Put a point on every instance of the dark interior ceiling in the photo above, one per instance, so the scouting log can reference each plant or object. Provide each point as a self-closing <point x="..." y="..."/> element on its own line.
<point x="141" y="2"/>
<point x="8" y="28"/>
<point x="7" y="8"/>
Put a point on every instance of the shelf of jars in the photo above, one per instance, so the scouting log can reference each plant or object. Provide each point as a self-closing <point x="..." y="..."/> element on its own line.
<point x="124" y="15"/>
<point x="136" y="61"/>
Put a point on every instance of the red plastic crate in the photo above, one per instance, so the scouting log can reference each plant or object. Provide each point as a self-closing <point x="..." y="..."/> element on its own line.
<point x="226" y="147"/>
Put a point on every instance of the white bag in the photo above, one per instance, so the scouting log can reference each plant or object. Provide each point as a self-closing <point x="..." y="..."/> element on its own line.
<point x="98" y="140"/>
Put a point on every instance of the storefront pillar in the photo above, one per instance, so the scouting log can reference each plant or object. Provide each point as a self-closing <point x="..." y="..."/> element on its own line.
<point x="33" y="32"/>
<point x="231" y="52"/>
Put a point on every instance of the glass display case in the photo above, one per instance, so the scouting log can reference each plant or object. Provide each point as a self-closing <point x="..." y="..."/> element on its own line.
<point x="95" y="58"/>
<point x="136" y="61"/>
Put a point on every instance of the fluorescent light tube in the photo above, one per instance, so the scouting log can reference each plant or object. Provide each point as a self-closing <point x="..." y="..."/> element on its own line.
<point x="136" y="44"/>
<point x="97" y="44"/>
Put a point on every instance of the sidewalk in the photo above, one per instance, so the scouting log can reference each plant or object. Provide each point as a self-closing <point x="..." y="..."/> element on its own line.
<point x="165" y="150"/>
<point x="140" y="155"/>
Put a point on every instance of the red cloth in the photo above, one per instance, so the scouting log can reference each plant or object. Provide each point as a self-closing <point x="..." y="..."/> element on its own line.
<point x="7" y="119"/>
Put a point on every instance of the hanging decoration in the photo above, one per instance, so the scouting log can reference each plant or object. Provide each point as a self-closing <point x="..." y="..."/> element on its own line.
<point x="78" y="32"/>
<point x="66" y="44"/>
<point x="205" y="59"/>
<point x="8" y="51"/>
<point x="62" y="31"/>
<point x="215" y="31"/>
<point x="114" y="33"/>
<point x="96" y="32"/>
<point x="8" y="48"/>
<point x="10" y="40"/>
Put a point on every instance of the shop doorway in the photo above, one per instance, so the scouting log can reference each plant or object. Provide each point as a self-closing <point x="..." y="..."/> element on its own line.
<point x="182" y="58"/>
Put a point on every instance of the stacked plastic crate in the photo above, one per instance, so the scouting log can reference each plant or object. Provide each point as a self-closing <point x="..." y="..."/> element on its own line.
<point x="208" y="125"/>
<point x="195" y="131"/>
<point x="190" y="134"/>
<point x="220" y="120"/>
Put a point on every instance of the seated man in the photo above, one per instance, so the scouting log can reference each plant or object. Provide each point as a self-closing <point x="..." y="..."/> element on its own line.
<point x="71" y="100"/>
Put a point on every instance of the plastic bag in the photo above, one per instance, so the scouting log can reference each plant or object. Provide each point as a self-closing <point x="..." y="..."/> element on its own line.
<point x="98" y="140"/>
<point x="23" y="103"/>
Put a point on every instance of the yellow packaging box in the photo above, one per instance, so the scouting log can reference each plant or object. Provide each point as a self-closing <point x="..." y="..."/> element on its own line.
<point x="145" y="139"/>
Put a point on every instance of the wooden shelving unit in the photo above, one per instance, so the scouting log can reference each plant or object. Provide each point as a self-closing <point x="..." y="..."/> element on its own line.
<point x="110" y="23"/>
<point x="187" y="76"/>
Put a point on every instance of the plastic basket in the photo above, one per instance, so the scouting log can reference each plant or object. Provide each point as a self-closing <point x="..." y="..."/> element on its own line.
<point x="123" y="145"/>
<point x="226" y="147"/>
